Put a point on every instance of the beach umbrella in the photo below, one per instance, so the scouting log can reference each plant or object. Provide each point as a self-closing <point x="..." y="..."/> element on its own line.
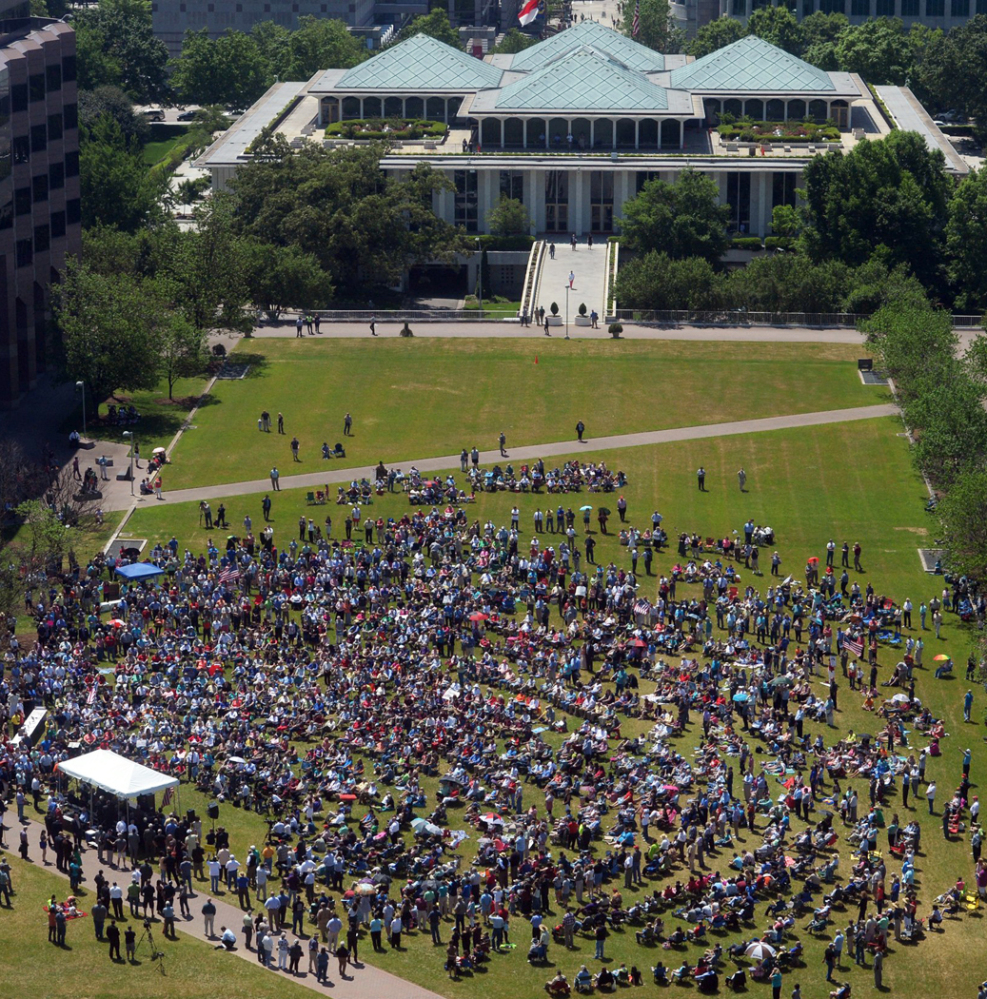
<point x="899" y="699"/>
<point x="740" y="697"/>
<point x="813" y="560"/>
<point x="604" y="509"/>
<point x="941" y="658"/>
<point x="115" y="622"/>
<point x="584" y="508"/>
<point x="158" y="450"/>
<point x="365" y="889"/>
<point x="418" y="824"/>
<point x="235" y="759"/>
<point x="781" y="681"/>
<point x="492" y="818"/>
<point x="759" y="950"/>
<point x="479" y="617"/>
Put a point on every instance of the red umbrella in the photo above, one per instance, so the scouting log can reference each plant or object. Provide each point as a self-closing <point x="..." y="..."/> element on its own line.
<point x="813" y="560"/>
<point x="347" y="797"/>
<point x="479" y="617"/>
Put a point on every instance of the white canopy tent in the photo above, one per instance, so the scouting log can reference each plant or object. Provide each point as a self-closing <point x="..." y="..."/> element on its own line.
<point x="116" y="774"/>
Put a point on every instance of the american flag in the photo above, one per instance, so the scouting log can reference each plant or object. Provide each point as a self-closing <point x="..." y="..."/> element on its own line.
<point x="229" y="575"/>
<point x="92" y="694"/>
<point x="636" y="23"/>
<point x="854" y="645"/>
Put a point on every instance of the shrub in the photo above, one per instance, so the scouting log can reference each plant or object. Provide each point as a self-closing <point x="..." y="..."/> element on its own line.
<point x="219" y="350"/>
<point x="399" y="128"/>
<point x="406" y="331"/>
<point x="778" y="242"/>
<point x="615" y="329"/>
<point x="746" y="243"/>
<point x="554" y="308"/>
<point x="517" y="242"/>
<point x="582" y="308"/>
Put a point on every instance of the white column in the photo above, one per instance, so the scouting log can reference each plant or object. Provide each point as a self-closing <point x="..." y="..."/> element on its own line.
<point x="613" y="132"/>
<point x="592" y="133"/>
<point x="524" y="133"/>
<point x="576" y="198"/>
<point x="361" y="107"/>
<point x="681" y="134"/>
<point x="404" y="107"/>
<point x="637" y="133"/>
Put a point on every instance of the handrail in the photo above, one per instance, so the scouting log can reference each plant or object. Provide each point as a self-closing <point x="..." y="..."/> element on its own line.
<point x="531" y="277"/>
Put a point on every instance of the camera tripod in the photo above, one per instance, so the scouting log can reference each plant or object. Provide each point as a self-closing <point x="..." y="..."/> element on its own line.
<point x="156" y="955"/>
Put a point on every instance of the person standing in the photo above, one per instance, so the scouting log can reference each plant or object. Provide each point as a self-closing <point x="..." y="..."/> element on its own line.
<point x="209" y="917"/>
<point x="546" y="327"/>
<point x="930" y="796"/>
<point x="502" y="441"/>
<point x="776" y="983"/>
<point x="701" y="478"/>
<point x="845" y="555"/>
<point x="294" y="449"/>
<point x="348" y="423"/>
<point x="275" y="477"/>
<point x="298" y="328"/>
<point x="572" y="278"/>
<point x="572" y="241"/>
<point x="878" y="968"/>
<point x="551" y="251"/>
<point x="113" y="936"/>
<point x="98" y="914"/>
<point x="580" y="430"/>
<point x="742" y="479"/>
<point x="856" y="557"/>
<point x="280" y="423"/>
<point x="265" y="505"/>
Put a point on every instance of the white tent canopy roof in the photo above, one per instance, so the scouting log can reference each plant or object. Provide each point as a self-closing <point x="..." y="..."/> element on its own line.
<point x="116" y="774"/>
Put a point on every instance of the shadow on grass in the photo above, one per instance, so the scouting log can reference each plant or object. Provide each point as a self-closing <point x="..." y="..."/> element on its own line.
<point x="257" y="362"/>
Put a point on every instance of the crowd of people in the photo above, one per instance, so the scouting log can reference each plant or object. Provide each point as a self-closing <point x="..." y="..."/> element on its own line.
<point x="456" y="732"/>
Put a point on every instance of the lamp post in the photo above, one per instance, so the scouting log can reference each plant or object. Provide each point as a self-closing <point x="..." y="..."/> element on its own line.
<point x="128" y="433"/>
<point x="81" y="386"/>
<point x="567" y="312"/>
<point x="479" y="280"/>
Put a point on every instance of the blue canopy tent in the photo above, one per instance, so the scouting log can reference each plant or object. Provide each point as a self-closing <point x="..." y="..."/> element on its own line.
<point x="138" y="571"/>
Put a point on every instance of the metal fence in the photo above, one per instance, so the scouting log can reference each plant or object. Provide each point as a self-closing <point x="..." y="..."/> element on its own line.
<point x="743" y="317"/>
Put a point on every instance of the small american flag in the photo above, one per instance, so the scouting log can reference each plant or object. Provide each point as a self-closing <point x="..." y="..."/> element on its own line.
<point x="229" y="575"/>
<point x="636" y="23"/>
<point x="92" y="694"/>
<point x="856" y="646"/>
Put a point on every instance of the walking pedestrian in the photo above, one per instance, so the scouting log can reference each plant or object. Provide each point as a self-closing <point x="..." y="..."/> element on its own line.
<point x="580" y="430"/>
<point x="502" y="441"/>
<point x="373" y="326"/>
<point x="742" y="479"/>
<point x="572" y="278"/>
<point x="294" y="449"/>
<point x="347" y="425"/>
<point x="701" y="478"/>
<point x="280" y="423"/>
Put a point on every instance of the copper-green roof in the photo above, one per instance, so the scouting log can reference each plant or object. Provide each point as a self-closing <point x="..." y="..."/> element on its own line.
<point x="626" y="50"/>
<point x="583" y="80"/>
<point x="748" y="66"/>
<point x="421" y="63"/>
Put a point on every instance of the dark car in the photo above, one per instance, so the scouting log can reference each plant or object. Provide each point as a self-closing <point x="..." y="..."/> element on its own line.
<point x="188" y="116"/>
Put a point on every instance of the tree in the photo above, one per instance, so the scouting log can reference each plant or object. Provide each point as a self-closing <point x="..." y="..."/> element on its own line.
<point x="778" y="26"/>
<point x="788" y="282"/>
<point x="108" y="331"/>
<point x="784" y="220"/>
<point x="879" y="50"/>
<point x="182" y="348"/>
<point x="116" y="44"/>
<point x="229" y="70"/>
<point x="279" y="277"/>
<point x="274" y="42"/>
<point x="966" y="242"/>
<point x="716" y="34"/>
<point x="112" y="101"/>
<point x="116" y="187"/>
<point x="657" y="30"/>
<point x="321" y="42"/>
<point x="514" y="41"/>
<point x="509" y="217"/>
<point x="656" y="281"/>
<point x="821" y="33"/>
<point x="683" y="219"/>
<point x="889" y="195"/>
<point x="962" y="512"/>
<point x="874" y="285"/>
<point x="953" y="68"/>
<point x="435" y="24"/>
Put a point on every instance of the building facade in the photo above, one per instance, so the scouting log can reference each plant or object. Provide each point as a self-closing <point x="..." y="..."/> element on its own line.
<point x="40" y="221"/>
<point x="943" y="14"/>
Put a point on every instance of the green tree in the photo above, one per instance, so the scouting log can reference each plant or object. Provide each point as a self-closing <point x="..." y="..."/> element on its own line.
<point x="821" y="32"/>
<point x="279" y="277"/>
<point x="879" y="50"/>
<point x="182" y="349"/>
<point x="514" y="41"/>
<point x="888" y="195"/>
<point x="779" y="26"/>
<point x="784" y="220"/>
<point x="683" y="219"/>
<point x="112" y="101"/>
<point x="966" y="242"/>
<point x="116" y="45"/>
<point x="108" y="327"/>
<point x="874" y="285"/>
<point x="789" y="282"/>
<point x="229" y="70"/>
<point x="116" y="187"/>
<point x="509" y="217"/>
<point x="656" y="281"/>
<point x="962" y="512"/>
<point x="321" y="42"/>
<point x="47" y="535"/>
<point x="657" y="30"/>
<point x="953" y="68"/>
<point x="436" y="24"/>
<point x="716" y="34"/>
<point x="274" y="42"/>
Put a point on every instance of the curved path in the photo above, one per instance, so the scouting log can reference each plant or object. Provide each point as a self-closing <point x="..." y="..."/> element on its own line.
<point x="331" y="476"/>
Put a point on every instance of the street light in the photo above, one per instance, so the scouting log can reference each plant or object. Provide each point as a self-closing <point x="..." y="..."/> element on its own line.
<point x="129" y="434"/>
<point x="479" y="280"/>
<point x="81" y="386"/>
<point x="567" y="312"/>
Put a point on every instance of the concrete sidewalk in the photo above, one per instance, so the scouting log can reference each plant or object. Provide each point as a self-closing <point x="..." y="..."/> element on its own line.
<point x="588" y="266"/>
<point x="363" y="981"/>
<point x="338" y="476"/>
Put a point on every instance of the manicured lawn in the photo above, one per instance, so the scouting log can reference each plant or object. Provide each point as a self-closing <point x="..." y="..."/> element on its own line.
<point x="420" y="398"/>
<point x="190" y="969"/>
<point x="154" y="152"/>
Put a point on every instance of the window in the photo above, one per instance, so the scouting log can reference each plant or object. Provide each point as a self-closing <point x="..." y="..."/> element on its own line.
<point x="22" y="148"/>
<point x="36" y="84"/>
<point x="39" y="138"/>
<point x="512" y="185"/>
<point x="466" y="206"/>
<point x="56" y="176"/>
<point x="982" y="6"/>
<point x="643" y="176"/>
<point x="783" y="189"/>
<point x="72" y="164"/>
<point x="935" y="8"/>
<point x="557" y="201"/>
<point x="860" y="8"/>
<point x="601" y="200"/>
<point x="54" y="127"/>
<point x="885" y="8"/>
<point x="42" y="238"/>
<point x="7" y="214"/>
<point x="739" y="8"/>
<point x="53" y="77"/>
<point x="24" y="253"/>
<point x="39" y="187"/>
<point x="739" y="200"/>
<point x="22" y="201"/>
<point x="959" y="8"/>
<point x="57" y="225"/>
<point x="18" y="97"/>
<point x="70" y="114"/>
<point x="68" y="68"/>
<point x="808" y="7"/>
<point x="910" y="8"/>
<point x="73" y="211"/>
<point x="832" y="6"/>
<point x="5" y="164"/>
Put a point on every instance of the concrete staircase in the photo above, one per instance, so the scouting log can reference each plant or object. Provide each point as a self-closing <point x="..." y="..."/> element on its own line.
<point x="590" y="269"/>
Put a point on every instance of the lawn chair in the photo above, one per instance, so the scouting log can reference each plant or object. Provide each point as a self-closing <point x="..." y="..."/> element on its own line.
<point x="310" y="499"/>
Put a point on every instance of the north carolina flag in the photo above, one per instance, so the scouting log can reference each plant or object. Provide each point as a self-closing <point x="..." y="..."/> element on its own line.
<point x="528" y="12"/>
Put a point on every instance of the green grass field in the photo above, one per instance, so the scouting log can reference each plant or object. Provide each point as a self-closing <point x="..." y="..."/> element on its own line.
<point x="421" y="398"/>
<point x="154" y="152"/>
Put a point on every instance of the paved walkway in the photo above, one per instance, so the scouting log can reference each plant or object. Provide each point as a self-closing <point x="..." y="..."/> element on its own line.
<point x="361" y="982"/>
<point x="334" y="476"/>
<point x="588" y="266"/>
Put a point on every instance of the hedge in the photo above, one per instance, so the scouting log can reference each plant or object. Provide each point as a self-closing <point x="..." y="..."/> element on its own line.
<point x="373" y="128"/>
<point x="518" y="242"/>
<point x="778" y="242"/>
<point x="746" y="243"/>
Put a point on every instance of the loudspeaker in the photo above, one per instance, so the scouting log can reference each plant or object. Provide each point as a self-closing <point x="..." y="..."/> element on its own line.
<point x="213" y="810"/>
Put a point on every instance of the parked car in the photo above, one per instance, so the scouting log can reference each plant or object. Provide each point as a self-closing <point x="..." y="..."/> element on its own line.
<point x="188" y="116"/>
<point x="154" y="114"/>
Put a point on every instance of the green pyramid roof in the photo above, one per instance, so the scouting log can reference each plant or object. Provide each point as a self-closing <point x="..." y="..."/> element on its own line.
<point x="421" y="63"/>
<point x="750" y="65"/>
<point x="592" y="33"/>
<point x="583" y="80"/>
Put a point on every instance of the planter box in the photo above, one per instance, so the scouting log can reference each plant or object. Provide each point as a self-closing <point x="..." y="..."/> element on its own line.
<point x="554" y="320"/>
<point x="582" y="321"/>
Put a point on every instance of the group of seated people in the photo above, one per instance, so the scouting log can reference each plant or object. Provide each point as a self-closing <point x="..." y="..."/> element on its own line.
<point x="585" y="981"/>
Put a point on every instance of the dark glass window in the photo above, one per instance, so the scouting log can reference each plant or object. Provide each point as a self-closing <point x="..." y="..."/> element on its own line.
<point x="18" y="97"/>
<point x="860" y="8"/>
<point x="512" y="185"/>
<point x="42" y="238"/>
<point x="739" y="200"/>
<point x="7" y="214"/>
<point x="54" y="127"/>
<point x="909" y="8"/>
<point x="783" y="189"/>
<point x="39" y="138"/>
<point x="22" y="201"/>
<point x="466" y="202"/>
<point x="73" y="211"/>
<point x="22" y="148"/>
<point x="68" y="68"/>
<point x="36" y="83"/>
<point x="70" y="114"/>
<point x="959" y="8"/>
<point x="39" y="187"/>
<point x="885" y="8"/>
<point x="72" y="164"/>
<point x="57" y="225"/>
<point x="53" y="77"/>
<point x="935" y="8"/>
<point x="24" y="253"/>
<point x="56" y="176"/>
